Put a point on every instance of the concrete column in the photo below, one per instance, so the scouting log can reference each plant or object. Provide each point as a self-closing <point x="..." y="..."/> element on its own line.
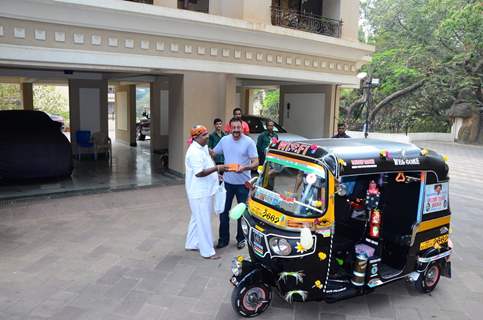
<point x="230" y="96"/>
<point x="195" y="98"/>
<point x="87" y="107"/>
<point x="335" y="109"/>
<point x="349" y="14"/>
<point x="126" y="114"/>
<point x="257" y="11"/>
<point x="159" y="100"/>
<point x="251" y="100"/>
<point x="177" y="138"/>
<point x="26" y="89"/>
<point x="166" y="3"/>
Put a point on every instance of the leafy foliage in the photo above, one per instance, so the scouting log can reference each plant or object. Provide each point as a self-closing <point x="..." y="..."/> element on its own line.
<point x="439" y="42"/>
<point x="270" y="103"/>
<point x="48" y="99"/>
<point x="10" y="98"/>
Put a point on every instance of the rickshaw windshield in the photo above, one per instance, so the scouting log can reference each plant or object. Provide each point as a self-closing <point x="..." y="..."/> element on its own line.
<point x="293" y="188"/>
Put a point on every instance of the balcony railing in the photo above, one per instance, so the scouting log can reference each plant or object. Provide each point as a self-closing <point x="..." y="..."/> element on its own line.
<point x="306" y="22"/>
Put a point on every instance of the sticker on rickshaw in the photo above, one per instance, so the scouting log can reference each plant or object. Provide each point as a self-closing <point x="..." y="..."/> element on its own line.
<point x="436" y="197"/>
<point x="363" y="163"/>
<point x="258" y="239"/>
<point x="432" y="242"/>
<point x="265" y="213"/>
<point x="406" y="162"/>
<point x="298" y="148"/>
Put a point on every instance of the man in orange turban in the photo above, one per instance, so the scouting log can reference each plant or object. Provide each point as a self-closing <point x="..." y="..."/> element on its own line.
<point x="201" y="182"/>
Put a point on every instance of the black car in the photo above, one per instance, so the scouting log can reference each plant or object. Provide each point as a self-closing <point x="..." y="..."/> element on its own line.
<point x="32" y="146"/>
<point x="258" y="125"/>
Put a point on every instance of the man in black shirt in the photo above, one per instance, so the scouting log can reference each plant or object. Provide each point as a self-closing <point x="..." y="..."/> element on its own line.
<point x="341" y="131"/>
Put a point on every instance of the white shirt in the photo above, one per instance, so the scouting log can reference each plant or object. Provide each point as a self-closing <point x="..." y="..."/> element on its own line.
<point x="196" y="160"/>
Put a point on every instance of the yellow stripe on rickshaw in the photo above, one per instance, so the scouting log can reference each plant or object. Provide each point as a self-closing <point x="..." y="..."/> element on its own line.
<point x="434" y="223"/>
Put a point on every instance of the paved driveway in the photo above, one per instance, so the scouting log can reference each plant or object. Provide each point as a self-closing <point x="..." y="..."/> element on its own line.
<point x="120" y="256"/>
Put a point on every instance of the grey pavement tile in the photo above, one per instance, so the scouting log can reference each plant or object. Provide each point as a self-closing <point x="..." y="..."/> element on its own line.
<point x="41" y="264"/>
<point x="354" y="306"/>
<point x="407" y="313"/>
<point x="380" y="306"/>
<point x="150" y="312"/>
<point x="331" y="316"/>
<point x="133" y="302"/>
<point x="306" y="310"/>
<point x="274" y="313"/>
<point x="169" y="262"/>
<point x="121" y="288"/>
<point x="68" y="313"/>
<point x="195" y="286"/>
<point x="98" y="252"/>
<point x="226" y="312"/>
<point x="113" y="275"/>
<point x="147" y="244"/>
<point x="149" y="280"/>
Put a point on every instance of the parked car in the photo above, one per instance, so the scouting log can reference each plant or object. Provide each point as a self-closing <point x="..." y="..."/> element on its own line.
<point x="32" y="146"/>
<point x="59" y="119"/>
<point x="143" y="127"/>
<point x="55" y="117"/>
<point x="258" y="125"/>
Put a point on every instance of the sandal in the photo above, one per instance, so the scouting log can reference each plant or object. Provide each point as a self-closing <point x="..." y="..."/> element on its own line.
<point x="213" y="257"/>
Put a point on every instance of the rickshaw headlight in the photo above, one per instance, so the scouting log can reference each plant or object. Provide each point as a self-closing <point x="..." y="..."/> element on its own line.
<point x="244" y="226"/>
<point x="236" y="267"/>
<point x="280" y="246"/>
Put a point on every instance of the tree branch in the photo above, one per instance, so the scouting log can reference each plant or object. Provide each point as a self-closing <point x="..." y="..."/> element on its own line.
<point x="395" y="96"/>
<point x="354" y="105"/>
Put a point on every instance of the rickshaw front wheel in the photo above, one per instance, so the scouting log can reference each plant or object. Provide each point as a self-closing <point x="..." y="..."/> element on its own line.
<point x="429" y="279"/>
<point x="252" y="299"/>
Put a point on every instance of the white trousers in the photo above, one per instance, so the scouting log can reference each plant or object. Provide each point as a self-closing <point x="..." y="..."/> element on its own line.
<point x="200" y="235"/>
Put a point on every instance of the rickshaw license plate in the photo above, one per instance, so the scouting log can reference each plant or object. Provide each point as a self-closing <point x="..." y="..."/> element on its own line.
<point x="258" y="240"/>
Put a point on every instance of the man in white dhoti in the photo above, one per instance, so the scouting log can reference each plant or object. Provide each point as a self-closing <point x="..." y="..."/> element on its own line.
<point x="201" y="183"/>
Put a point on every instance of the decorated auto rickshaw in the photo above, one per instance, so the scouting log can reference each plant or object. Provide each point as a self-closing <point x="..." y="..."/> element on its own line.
<point x="332" y="219"/>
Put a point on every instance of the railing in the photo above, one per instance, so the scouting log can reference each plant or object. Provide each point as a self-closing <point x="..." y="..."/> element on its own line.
<point x="306" y="22"/>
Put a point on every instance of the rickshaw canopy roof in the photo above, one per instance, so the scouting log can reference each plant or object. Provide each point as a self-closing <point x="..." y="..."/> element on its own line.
<point x="365" y="156"/>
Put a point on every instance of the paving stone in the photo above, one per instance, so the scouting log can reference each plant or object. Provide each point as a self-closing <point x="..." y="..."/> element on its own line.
<point x="131" y="305"/>
<point x="113" y="275"/>
<point x="380" y="306"/>
<point x="150" y="312"/>
<point x="195" y="286"/>
<point x="69" y="313"/>
<point x="121" y="288"/>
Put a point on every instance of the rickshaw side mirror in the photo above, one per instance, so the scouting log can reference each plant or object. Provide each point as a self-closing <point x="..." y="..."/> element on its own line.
<point x="341" y="190"/>
<point x="250" y="184"/>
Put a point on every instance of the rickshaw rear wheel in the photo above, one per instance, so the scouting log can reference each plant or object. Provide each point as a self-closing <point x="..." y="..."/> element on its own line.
<point x="429" y="279"/>
<point x="251" y="300"/>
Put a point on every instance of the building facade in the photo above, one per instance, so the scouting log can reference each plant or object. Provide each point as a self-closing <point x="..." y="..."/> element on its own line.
<point x="199" y="57"/>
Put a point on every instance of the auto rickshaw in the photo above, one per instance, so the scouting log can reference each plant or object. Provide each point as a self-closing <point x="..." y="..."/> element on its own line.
<point x="332" y="219"/>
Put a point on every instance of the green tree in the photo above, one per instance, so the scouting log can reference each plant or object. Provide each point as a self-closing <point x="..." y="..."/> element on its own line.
<point x="10" y="98"/>
<point x="427" y="52"/>
<point x="270" y="103"/>
<point x="52" y="101"/>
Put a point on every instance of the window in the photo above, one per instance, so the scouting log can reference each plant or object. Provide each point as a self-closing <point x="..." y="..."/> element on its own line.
<point x="258" y="125"/>
<point x="194" y="5"/>
<point x="293" y="189"/>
